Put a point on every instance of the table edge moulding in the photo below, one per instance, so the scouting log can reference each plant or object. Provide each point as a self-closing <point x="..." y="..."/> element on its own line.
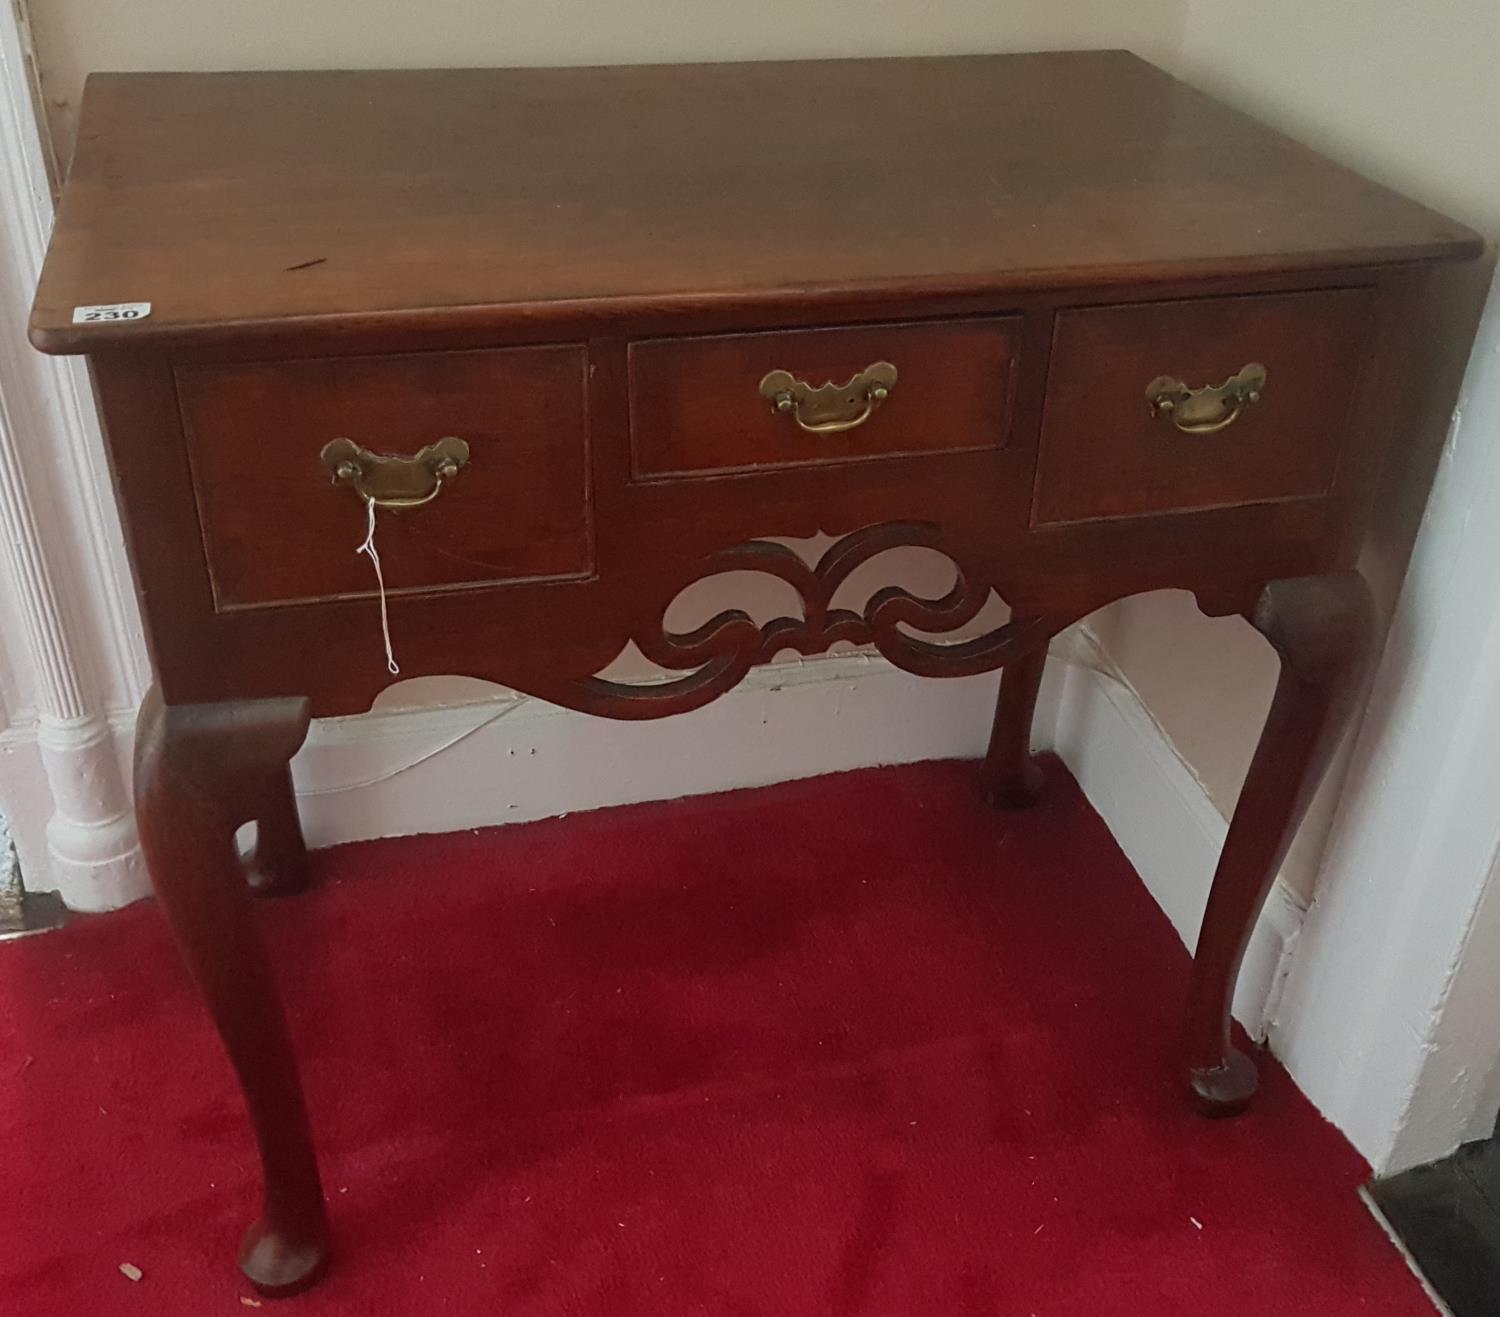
<point x="566" y="341"/>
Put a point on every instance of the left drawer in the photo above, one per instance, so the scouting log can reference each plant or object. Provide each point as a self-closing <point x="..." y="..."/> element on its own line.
<point x="277" y="530"/>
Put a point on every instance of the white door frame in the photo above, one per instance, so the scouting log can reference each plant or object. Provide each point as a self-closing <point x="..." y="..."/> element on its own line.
<point x="80" y="655"/>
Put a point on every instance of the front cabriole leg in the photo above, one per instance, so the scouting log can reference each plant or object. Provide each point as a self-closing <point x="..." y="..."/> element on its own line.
<point x="201" y="771"/>
<point x="1322" y="627"/>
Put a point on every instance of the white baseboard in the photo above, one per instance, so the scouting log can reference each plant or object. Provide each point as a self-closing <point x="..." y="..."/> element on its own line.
<point x="1161" y="815"/>
<point x="509" y="759"/>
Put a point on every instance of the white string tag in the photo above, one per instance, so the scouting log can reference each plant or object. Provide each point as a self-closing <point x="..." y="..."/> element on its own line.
<point x="368" y="549"/>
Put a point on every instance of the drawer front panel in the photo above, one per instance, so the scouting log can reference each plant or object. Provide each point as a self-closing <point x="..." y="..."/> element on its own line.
<point x="696" y="404"/>
<point x="1106" y="453"/>
<point x="276" y="529"/>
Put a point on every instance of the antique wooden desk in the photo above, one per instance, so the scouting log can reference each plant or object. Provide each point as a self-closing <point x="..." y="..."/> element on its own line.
<point x="1069" y="322"/>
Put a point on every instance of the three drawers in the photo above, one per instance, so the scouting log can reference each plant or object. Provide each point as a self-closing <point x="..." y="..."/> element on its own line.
<point x="1150" y="408"/>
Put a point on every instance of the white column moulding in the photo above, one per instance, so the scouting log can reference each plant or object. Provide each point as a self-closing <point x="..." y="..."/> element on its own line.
<point x="60" y="547"/>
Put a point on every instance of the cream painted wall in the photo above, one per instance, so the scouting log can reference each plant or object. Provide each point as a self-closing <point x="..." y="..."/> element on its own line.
<point x="1406" y="93"/>
<point x="74" y="37"/>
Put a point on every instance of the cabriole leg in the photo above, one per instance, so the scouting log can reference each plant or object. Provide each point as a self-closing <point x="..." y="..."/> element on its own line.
<point x="1322" y="628"/>
<point x="201" y="771"/>
<point x="1013" y="779"/>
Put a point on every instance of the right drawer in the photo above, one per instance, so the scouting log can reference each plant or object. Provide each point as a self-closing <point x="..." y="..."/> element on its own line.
<point x="1183" y="406"/>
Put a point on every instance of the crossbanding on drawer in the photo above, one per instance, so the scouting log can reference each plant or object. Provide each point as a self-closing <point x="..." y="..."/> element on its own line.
<point x="281" y="521"/>
<point x="746" y="402"/>
<point x="1188" y="405"/>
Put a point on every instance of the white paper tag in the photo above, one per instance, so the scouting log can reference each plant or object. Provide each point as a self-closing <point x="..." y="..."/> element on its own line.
<point x="115" y="311"/>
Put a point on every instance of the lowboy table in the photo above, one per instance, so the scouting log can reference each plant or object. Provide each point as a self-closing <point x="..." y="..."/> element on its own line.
<point x="585" y="336"/>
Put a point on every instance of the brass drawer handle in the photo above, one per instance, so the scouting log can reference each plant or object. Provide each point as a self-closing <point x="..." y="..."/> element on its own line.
<point x="831" y="408"/>
<point x="395" y="482"/>
<point x="1207" y="410"/>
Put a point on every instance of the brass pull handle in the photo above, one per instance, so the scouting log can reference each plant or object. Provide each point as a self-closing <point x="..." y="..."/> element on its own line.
<point x="1207" y="410"/>
<point x="395" y="482"/>
<point x="830" y="408"/>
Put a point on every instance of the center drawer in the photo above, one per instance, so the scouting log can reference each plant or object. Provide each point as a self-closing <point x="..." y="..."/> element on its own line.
<point x="277" y="526"/>
<point x="740" y="402"/>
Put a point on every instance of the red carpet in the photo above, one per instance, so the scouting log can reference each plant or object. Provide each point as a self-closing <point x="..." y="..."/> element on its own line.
<point x="853" y="1045"/>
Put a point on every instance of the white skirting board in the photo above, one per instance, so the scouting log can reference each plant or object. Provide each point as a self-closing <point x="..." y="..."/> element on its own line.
<point x="502" y="758"/>
<point x="509" y="759"/>
<point x="1161" y="815"/>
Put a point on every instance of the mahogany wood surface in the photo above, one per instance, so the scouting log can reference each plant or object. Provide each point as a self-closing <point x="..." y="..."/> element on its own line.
<point x="251" y="200"/>
<point x="584" y="273"/>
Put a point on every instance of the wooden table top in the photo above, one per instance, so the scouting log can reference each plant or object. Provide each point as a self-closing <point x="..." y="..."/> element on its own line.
<point x="237" y="202"/>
